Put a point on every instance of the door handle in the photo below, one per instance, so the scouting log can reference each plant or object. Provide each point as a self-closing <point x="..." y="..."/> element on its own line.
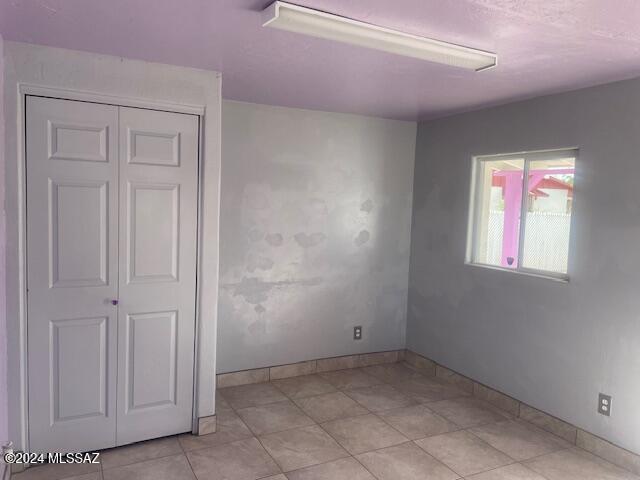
<point x="114" y="302"/>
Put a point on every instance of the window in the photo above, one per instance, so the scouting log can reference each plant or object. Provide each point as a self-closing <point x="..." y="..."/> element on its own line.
<point x="530" y="232"/>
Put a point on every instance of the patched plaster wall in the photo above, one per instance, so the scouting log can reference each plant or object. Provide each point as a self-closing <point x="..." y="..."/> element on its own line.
<point x="315" y="231"/>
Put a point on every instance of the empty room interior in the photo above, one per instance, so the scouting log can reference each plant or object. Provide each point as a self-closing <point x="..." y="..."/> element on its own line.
<point x="319" y="240"/>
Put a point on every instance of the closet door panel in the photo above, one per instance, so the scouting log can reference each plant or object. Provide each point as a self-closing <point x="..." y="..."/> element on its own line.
<point x="158" y="225"/>
<point x="72" y="273"/>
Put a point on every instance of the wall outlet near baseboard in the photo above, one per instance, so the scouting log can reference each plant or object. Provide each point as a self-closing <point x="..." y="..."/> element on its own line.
<point x="357" y="333"/>
<point x="604" y="404"/>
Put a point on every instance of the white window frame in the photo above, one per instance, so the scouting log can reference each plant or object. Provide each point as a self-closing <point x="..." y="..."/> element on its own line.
<point x="475" y="211"/>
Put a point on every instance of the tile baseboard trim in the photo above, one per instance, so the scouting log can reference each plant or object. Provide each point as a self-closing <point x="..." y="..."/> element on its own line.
<point x="266" y="374"/>
<point x="607" y="450"/>
<point x="293" y="370"/>
<point x="454" y="378"/>
<point x="243" y="377"/>
<point x="420" y="363"/>
<point x="207" y="425"/>
<point x="587" y="441"/>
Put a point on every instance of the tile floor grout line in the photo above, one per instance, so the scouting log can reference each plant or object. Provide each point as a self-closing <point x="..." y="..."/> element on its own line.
<point x="544" y="455"/>
<point x="218" y="444"/>
<point x="399" y="445"/>
<point x="321" y="463"/>
<point x="288" y="429"/>
<point x="534" y="471"/>
<point x="271" y="457"/>
<point x="409" y="397"/>
<point x="309" y="375"/>
<point x="365" y="467"/>
<point x="373" y="450"/>
<point x="437" y="459"/>
<point x="521" y="462"/>
<point x="235" y="409"/>
<point x="350" y="455"/>
<point x="174" y="454"/>
<point x="392" y="427"/>
<point x="542" y="431"/>
<point x="102" y="467"/>
<point x="513" y="461"/>
<point x="560" y="449"/>
<point x="575" y="446"/>
<point x="370" y="413"/>
<point x="487" y="443"/>
<point x="503" y="466"/>
<point x="191" y="466"/>
<point x="283" y="430"/>
<point x="463" y="427"/>
<point x="341" y="418"/>
<point x="422" y="405"/>
<point x="180" y="443"/>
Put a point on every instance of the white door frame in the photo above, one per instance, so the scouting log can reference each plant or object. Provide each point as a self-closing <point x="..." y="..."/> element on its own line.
<point x="130" y="78"/>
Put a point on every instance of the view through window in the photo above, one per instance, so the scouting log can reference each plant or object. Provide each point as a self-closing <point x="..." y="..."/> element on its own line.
<point x="527" y="232"/>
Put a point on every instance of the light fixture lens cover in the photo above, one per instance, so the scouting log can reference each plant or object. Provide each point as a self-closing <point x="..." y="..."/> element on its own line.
<point x="315" y="23"/>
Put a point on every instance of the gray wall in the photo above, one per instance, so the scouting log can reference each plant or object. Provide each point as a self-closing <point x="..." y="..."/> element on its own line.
<point x="549" y="344"/>
<point x="314" y="234"/>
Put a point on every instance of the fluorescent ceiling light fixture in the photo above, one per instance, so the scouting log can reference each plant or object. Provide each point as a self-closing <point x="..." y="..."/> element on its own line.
<point x="294" y="18"/>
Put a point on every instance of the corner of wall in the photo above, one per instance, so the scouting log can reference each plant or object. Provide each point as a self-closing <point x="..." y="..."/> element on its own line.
<point x="405" y="338"/>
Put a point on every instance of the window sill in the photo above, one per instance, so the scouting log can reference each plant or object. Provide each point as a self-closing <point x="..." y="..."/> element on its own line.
<point x="556" y="277"/>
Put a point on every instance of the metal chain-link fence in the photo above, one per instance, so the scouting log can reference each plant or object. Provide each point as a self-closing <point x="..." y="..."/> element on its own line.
<point x="546" y="242"/>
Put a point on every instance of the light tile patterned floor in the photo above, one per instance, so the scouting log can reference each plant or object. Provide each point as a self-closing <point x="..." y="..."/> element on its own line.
<point x="383" y="422"/>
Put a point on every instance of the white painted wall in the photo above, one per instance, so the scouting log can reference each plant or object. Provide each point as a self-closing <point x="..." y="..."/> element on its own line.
<point x="117" y="77"/>
<point x="315" y="229"/>
<point x="552" y="345"/>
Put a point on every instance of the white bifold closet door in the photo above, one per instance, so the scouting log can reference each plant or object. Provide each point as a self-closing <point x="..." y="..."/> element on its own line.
<point x="111" y="265"/>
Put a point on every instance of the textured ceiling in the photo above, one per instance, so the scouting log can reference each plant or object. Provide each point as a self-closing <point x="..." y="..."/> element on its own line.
<point x="544" y="46"/>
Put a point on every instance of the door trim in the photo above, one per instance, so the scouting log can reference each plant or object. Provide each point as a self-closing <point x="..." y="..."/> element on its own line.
<point x="200" y="342"/>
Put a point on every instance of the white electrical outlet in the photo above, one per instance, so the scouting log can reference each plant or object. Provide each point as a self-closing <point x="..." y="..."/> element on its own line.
<point x="357" y="333"/>
<point x="604" y="404"/>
